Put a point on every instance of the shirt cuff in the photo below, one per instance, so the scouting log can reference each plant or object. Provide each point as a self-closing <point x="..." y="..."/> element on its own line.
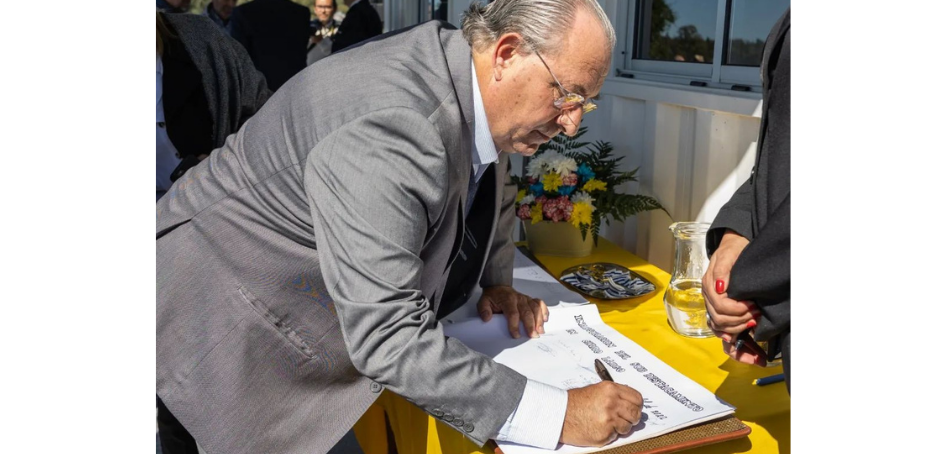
<point x="539" y="417"/>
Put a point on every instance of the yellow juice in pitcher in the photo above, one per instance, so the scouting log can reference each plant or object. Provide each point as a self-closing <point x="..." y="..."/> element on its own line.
<point x="685" y="308"/>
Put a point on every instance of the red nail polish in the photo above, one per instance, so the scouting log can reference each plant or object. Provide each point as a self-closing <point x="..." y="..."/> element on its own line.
<point x="752" y="324"/>
<point x="719" y="286"/>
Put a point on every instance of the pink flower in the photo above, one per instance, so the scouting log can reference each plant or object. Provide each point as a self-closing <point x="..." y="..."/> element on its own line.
<point x="570" y="180"/>
<point x="524" y="212"/>
<point x="557" y="209"/>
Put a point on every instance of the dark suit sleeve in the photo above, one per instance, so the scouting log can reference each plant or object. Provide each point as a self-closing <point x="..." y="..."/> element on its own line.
<point x="254" y="91"/>
<point x="238" y="29"/>
<point x="762" y="273"/>
<point x="348" y="32"/>
<point x="499" y="264"/>
<point x="735" y="215"/>
<point x="362" y="23"/>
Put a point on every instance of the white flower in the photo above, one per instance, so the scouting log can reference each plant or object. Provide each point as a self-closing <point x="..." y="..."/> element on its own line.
<point x="582" y="196"/>
<point x="527" y="199"/>
<point x="536" y="165"/>
<point x="563" y="165"/>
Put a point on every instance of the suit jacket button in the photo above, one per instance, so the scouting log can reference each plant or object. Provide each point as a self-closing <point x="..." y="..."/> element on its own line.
<point x="448" y="417"/>
<point x="458" y="422"/>
<point x="375" y="387"/>
<point x="437" y="413"/>
<point x="469" y="427"/>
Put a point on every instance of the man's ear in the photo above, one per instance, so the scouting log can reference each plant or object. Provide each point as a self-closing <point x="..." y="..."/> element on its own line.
<point x="506" y="53"/>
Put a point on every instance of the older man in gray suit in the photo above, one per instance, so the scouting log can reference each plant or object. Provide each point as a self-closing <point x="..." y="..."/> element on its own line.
<point x="303" y="266"/>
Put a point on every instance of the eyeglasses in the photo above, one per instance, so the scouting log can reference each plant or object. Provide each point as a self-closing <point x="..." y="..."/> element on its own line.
<point x="570" y="100"/>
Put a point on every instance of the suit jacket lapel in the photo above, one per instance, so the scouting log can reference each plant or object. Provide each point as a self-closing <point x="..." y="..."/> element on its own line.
<point x="459" y="62"/>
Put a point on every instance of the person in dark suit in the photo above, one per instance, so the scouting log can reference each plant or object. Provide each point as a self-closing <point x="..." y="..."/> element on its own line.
<point x="748" y="282"/>
<point x="275" y="33"/>
<point x="208" y="87"/>
<point x="360" y="24"/>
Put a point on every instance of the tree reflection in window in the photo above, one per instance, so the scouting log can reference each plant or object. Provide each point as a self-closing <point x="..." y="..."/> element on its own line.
<point x="683" y="31"/>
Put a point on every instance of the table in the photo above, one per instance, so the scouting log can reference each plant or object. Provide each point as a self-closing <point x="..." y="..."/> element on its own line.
<point x="766" y="409"/>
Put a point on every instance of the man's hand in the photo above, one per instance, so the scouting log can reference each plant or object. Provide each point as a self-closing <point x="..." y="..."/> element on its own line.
<point x="516" y="306"/>
<point x="725" y="314"/>
<point x="598" y="414"/>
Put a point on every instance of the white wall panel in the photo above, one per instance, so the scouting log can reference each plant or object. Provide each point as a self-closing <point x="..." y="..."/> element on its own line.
<point x="692" y="156"/>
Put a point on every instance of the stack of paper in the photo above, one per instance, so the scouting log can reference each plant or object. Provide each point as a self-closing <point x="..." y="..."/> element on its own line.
<point x="564" y="357"/>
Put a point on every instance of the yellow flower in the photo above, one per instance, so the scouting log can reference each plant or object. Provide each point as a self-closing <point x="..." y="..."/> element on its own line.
<point x="536" y="213"/>
<point x="581" y="214"/>
<point x="520" y="196"/>
<point x="551" y="181"/>
<point x="594" y="185"/>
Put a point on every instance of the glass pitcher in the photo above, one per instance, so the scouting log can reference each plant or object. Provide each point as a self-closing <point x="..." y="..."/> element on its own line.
<point x="685" y="305"/>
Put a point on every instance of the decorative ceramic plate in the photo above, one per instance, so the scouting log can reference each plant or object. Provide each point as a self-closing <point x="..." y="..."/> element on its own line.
<point x="607" y="281"/>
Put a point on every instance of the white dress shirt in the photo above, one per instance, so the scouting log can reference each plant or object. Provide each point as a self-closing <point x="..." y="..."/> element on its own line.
<point x="539" y="417"/>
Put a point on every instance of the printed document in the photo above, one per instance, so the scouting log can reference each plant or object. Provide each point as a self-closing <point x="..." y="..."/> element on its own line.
<point x="564" y="357"/>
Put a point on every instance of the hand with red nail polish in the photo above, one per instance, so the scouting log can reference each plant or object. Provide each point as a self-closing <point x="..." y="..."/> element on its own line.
<point x="719" y="286"/>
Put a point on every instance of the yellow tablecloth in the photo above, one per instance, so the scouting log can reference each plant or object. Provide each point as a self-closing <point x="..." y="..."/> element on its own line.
<point x="766" y="409"/>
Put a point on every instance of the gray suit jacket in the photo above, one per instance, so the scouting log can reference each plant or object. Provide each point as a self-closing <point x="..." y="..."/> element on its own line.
<point x="299" y="268"/>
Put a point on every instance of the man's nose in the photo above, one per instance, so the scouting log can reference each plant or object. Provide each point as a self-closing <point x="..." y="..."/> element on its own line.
<point x="570" y="121"/>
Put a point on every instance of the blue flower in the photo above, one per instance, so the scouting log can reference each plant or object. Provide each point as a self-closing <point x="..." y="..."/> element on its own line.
<point x="585" y="173"/>
<point x="538" y="189"/>
<point x="566" y="190"/>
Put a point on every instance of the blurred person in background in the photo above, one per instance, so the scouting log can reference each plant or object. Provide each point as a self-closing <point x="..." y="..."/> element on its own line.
<point x="275" y="33"/>
<point x="206" y="89"/>
<point x="361" y="23"/>
<point x="173" y="6"/>
<point x="219" y="12"/>
<point x="323" y="28"/>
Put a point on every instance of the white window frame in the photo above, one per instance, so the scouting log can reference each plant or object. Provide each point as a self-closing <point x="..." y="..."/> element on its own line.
<point x="715" y="75"/>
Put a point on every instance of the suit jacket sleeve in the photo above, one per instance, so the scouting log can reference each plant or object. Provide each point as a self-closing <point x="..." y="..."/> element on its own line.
<point x="735" y="215"/>
<point x="372" y="212"/>
<point x="498" y="268"/>
<point x="762" y="273"/>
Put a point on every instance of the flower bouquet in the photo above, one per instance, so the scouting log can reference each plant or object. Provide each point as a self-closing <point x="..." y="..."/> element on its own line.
<point x="567" y="181"/>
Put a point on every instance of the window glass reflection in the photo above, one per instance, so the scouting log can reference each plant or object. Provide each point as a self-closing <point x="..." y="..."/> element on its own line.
<point x="749" y="25"/>
<point x="676" y="30"/>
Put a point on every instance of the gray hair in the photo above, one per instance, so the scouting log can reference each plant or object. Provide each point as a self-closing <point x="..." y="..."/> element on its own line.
<point x="540" y="22"/>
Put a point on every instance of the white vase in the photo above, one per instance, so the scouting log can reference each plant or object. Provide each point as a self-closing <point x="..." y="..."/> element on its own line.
<point x="559" y="239"/>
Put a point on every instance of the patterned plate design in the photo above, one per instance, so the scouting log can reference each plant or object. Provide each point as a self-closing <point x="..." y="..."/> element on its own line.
<point x="607" y="281"/>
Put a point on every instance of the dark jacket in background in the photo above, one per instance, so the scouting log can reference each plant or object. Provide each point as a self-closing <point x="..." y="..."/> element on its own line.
<point x="361" y="23"/>
<point x="275" y="33"/>
<point x="165" y="7"/>
<point x="761" y="208"/>
<point x="210" y="85"/>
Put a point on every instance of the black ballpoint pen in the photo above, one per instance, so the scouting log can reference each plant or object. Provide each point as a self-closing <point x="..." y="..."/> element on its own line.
<point x="602" y="370"/>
